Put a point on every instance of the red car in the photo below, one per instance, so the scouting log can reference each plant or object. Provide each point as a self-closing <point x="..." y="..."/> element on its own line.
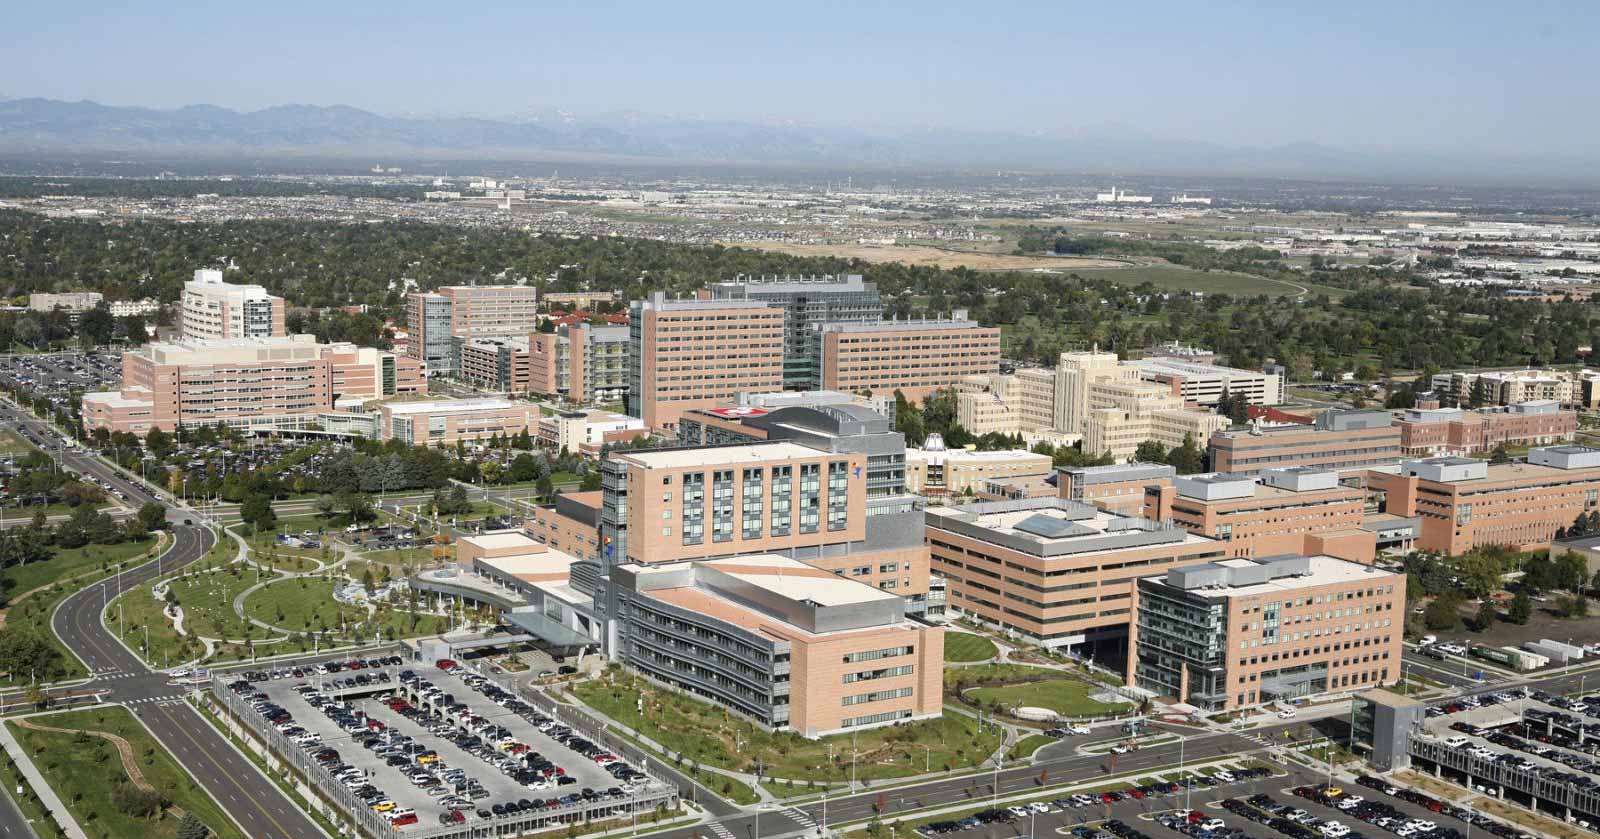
<point x="1196" y="816"/>
<point x="447" y="664"/>
<point x="408" y="818"/>
<point x="1134" y="791"/>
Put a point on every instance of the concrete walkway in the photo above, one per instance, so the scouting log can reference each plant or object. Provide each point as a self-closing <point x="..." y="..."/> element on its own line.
<point x="52" y="803"/>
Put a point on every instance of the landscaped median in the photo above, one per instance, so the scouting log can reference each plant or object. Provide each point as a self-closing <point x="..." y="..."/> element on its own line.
<point x="113" y="776"/>
<point x="706" y="734"/>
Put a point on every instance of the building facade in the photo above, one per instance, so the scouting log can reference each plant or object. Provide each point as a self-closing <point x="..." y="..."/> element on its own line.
<point x="1270" y="513"/>
<point x="1504" y="387"/>
<point x="1456" y="431"/>
<point x="1204" y="384"/>
<point x="806" y="301"/>
<point x="940" y="471"/>
<point x="685" y="354"/>
<point x="779" y="642"/>
<point x="915" y="358"/>
<point x="213" y="309"/>
<point x="1345" y="441"/>
<point x="582" y="364"/>
<point x="1240" y="632"/>
<point x="1463" y="503"/>
<point x="440" y="321"/>
<point x="250" y="383"/>
<point x="1119" y="488"/>
<point x="444" y="422"/>
<point x="1057" y="573"/>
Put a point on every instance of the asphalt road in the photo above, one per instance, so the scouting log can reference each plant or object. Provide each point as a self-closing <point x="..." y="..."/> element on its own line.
<point x="254" y="801"/>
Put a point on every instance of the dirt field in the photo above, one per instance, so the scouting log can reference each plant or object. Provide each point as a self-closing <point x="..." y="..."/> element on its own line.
<point x="926" y="255"/>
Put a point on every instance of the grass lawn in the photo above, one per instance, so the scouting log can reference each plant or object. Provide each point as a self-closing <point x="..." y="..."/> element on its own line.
<point x="207" y="600"/>
<point x="732" y="789"/>
<point x="707" y="734"/>
<point x="973" y="676"/>
<point x="68" y="562"/>
<point x="1178" y="278"/>
<point x="961" y="646"/>
<point x="1025" y="747"/>
<point x="266" y="541"/>
<point x="12" y="443"/>
<point x="87" y="774"/>
<point x="1067" y="697"/>
<point x="307" y="605"/>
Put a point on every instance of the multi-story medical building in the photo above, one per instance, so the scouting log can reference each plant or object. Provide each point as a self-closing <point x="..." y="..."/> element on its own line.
<point x="440" y="321"/>
<point x="686" y="354"/>
<point x="781" y="642"/>
<point x="1457" y="431"/>
<point x="279" y="384"/>
<point x="1055" y="572"/>
<point x="1345" y="441"/>
<point x="1204" y="384"/>
<point x="806" y="301"/>
<point x="1465" y="503"/>
<point x="583" y="364"/>
<point x="444" y="422"/>
<point x="213" y="309"/>
<point x="913" y="357"/>
<point x="1243" y="632"/>
<point x="1276" y="511"/>
<point x="1118" y="488"/>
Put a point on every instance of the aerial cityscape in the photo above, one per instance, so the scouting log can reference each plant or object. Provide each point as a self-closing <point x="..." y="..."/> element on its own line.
<point x="690" y="423"/>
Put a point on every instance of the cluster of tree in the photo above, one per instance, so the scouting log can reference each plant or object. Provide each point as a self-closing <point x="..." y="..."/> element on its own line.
<point x="1234" y="406"/>
<point x="36" y="186"/>
<point x="1568" y="572"/>
<point x="1187" y="458"/>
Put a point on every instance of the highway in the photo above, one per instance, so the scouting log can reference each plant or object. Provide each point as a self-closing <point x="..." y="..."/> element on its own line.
<point x="262" y="810"/>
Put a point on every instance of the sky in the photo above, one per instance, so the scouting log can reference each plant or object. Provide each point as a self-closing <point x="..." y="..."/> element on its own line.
<point x="1468" y="76"/>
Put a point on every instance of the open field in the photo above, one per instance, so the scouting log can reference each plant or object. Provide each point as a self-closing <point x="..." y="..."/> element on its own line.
<point x="707" y="734"/>
<point x="88" y="775"/>
<point x="68" y="562"/>
<point x="1067" y="697"/>
<point x="938" y="257"/>
<point x="12" y="443"/>
<point x="307" y="605"/>
<point x="1178" y="278"/>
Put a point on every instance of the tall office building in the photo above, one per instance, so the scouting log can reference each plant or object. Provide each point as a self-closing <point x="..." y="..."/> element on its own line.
<point x="213" y="309"/>
<point x="440" y="321"/>
<point x="806" y="301"/>
<point x="1075" y="373"/>
<point x="686" y="354"/>
<point x="914" y="357"/>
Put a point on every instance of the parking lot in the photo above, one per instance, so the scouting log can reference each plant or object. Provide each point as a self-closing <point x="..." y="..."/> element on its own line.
<point x="59" y="374"/>
<point x="423" y="746"/>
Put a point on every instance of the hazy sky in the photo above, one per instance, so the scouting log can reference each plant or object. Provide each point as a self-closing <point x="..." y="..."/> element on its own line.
<point x="1515" y="77"/>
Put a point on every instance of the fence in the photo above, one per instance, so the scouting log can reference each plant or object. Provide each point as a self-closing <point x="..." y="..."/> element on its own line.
<point x="377" y="826"/>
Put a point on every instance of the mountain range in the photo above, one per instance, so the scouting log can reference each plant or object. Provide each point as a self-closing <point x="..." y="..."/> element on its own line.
<point x="35" y="126"/>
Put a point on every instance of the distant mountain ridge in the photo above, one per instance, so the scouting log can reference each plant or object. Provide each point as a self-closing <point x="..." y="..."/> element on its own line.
<point x="48" y="125"/>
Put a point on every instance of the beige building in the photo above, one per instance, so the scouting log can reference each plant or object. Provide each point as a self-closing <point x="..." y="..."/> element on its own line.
<point x="1507" y="387"/>
<point x="939" y="471"/>
<point x="1076" y="373"/>
<point x="1204" y="384"/>
<point x="73" y="302"/>
<point x="1007" y="403"/>
<point x="1239" y="632"/>
<point x="687" y="354"/>
<point x="586" y="432"/>
<point x="1124" y="414"/>
<point x="213" y="309"/>
<point x="438" y="321"/>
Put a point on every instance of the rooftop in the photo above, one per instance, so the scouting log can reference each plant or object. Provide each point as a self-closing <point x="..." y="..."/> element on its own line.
<point x="1190" y="368"/>
<point x="718" y="455"/>
<point x="503" y="539"/>
<point x="1055" y="527"/>
<point x="1268" y="575"/>
<point x="430" y="406"/>
<point x="900" y="325"/>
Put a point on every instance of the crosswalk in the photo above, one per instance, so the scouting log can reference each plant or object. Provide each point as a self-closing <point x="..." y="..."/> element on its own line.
<point x="720" y="830"/>
<point x="161" y="700"/>
<point x="113" y="674"/>
<point x="801" y="818"/>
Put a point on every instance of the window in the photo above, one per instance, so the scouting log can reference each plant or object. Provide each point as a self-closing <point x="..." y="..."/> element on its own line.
<point x="782" y="500"/>
<point x="722" y="505"/>
<point x="694" y="510"/>
<point x="750" y="518"/>
<point x="838" y="495"/>
<point x="877" y="696"/>
<point x="810" y="498"/>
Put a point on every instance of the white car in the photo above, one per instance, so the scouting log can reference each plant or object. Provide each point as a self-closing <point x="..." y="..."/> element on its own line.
<point x="1334" y="830"/>
<point x="1120" y="749"/>
<point x="1078" y="729"/>
<point x="1039" y="807"/>
<point x="1019" y="812"/>
<point x="1212" y="825"/>
<point x="1350" y="802"/>
<point x="1286" y="714"/>
<point x="1428" y="639"/>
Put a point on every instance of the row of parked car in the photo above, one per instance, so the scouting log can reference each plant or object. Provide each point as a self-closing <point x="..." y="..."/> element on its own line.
<point x="1444" y="808"/>
<point x="1198" y="824"/>
<point x="356" y="780"/>
<point x="1375" y="813"/>
<point x="305" y="671"/>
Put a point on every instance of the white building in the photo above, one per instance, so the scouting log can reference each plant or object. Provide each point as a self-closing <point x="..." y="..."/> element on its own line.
<point x="214" y="309"/>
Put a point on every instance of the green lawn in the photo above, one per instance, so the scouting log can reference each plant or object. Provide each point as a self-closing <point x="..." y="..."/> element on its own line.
<point x="962" y="646"/>
<point x="1067" y="697"/>
<point x="88" y="776"/>
<point x="1178" y="278"/>
<point x="732" y="789"/>
<point x="707" y="734"/>
<point x="68" y="562"/>
<point x="982" y="673"/>
<point x="307" y="605"/>
<point x="1025" y="747"/>
<point x="207" y="600"/>
<point x="33" y="614"/>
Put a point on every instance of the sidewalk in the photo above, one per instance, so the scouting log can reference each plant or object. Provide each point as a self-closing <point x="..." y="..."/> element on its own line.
<point x="52" y="804"/>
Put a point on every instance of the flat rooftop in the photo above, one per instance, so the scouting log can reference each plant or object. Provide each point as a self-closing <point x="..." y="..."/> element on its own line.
<point x="718" y="455"/>
<point x="921" y="325"/>
<point x="502" y="540"/>
<point x="1321" y="570"/>
<point x="1191" y="368"/>
<point x="1055" y="527"/>
<point x="434" y="406"/>
<point x="781" y="576"/>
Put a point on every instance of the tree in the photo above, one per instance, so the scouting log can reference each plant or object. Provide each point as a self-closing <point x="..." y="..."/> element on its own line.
<point x="358" y="505"/>
<point x="192" y="827"/>
<point x="153" y="515"/>
<point x="24" y="652"/>
<point x="1150" y="451"/>
<point x="326" y="505"/>
<point x="1539" y="574"/>
<point x="491" y="471"/>
<point x="1486" y="616"/>
<point x="545" y="487"/>
<point x="1478" y="394"/>
<point x="1571" y="571"/>
<point x="1443" y="614"/>
<point x="591" y="482"/>
<point x="525" y="467"/>
<point x="1499" y="455"/>
<point x="257" y="511"/>
<point x="158" y="443"/>
<point x="1573" y="606"/>
<point x="1521" y="609"/>
<point x="97" y="326"/>
<point x="1187" y="458"/>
